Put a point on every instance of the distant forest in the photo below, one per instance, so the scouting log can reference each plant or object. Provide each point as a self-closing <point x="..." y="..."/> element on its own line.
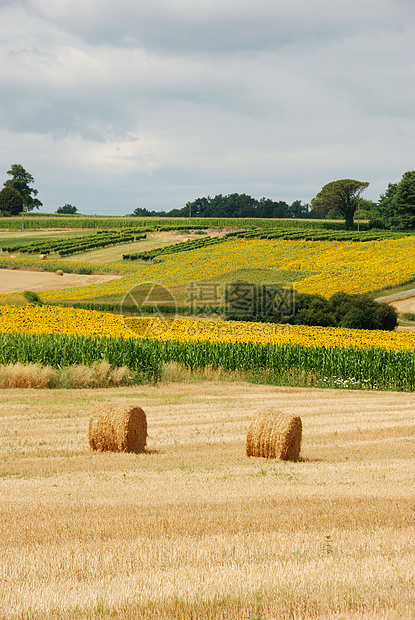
<point x="235" y="206"/>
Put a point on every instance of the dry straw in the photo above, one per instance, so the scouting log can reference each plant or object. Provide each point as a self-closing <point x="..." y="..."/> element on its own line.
<point x="118" y="426"/>
<point x="274" y="435"/>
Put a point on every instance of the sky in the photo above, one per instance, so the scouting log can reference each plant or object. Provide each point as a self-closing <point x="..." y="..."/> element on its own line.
<point x="117" y="104"/>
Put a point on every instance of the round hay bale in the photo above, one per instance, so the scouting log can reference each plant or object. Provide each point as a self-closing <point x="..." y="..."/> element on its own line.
<point x="274" y="435"/>
<point x="43" y="256"/>
<point x="59" y="272"/>
<point x="118" y="427"/>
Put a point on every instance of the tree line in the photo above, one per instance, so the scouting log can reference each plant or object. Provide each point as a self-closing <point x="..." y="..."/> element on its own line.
<point x="234" y="206"/>
<point x="342" y="199"/>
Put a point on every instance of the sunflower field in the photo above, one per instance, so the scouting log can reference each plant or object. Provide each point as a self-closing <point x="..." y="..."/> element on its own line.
<point x="331" y="356"/>
<point x="323" y="267"/>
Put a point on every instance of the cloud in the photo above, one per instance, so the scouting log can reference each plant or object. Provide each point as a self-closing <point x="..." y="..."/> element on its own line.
<point x="216" y="26"/>
<point x="163" y="101"/>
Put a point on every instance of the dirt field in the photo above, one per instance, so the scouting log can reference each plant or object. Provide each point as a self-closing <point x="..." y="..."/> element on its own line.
<point x="194" y="529"/>
<point x="17" y="280"/>
<point x="405" y="305"/>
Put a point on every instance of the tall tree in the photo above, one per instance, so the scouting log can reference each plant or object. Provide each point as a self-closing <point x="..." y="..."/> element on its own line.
<point x="341" y="196"/>
<point x="21" y="181"/>
<point x="397" y="205"/>
<point x="11" y="201"/>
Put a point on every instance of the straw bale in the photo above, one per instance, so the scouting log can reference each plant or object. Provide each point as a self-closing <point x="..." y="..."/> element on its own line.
<point x="43" y="256"/>
<point x="59" y="272"/>
<point x="274" y="435"/>
<point x="118" y="426"/>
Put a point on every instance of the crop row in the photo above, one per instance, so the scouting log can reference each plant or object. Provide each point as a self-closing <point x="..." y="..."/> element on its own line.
<point x="142" y="310"/>
<point x="37" y="221"/>
<point x="322" y="235"/>
<point x="182" y="246"/>
<point x="101" y="238"/>
<point x="371" y="368"/>
<point x="280" y="233"/>
<point x="67" y="247"/>
<point x="374" y="368"/>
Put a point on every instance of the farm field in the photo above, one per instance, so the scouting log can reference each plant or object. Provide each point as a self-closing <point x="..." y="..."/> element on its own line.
<point x="194" y="528"/>
<point x="108" y="254"/>
<point x="16" y="281"/>
<point x="316" y="266"/>
<point x="10" y="237"/>
<point x="295" y="355"/>
<point x="57" y="320"/>
<point x="153" y="240"/>
<point x="306" y="356"/>
<point x="405" y="305"/>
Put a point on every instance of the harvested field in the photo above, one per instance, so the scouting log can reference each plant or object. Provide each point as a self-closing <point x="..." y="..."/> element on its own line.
<point x="194" y="528"/>
<point x="18" y="280"/>
<point x="404" y="305"/>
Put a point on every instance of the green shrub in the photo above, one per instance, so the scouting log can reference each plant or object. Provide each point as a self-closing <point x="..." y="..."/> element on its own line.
<point x="279" y="305"/>
<point x="32" y="298"/>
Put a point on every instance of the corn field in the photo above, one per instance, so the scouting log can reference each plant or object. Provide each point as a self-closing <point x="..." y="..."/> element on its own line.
<point x="36" y="221"/>
<point x="59" y="351"/>
<point x="335" y="367"/>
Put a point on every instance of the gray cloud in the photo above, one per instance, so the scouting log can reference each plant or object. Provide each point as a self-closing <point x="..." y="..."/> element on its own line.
<point x="216" y="26"/>
<point x="152" y="104"/>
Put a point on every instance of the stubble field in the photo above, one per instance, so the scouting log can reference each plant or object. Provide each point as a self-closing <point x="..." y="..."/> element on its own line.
<point x="194" y="529"/>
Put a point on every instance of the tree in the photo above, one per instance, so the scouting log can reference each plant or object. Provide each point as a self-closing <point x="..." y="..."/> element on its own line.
<point x="11" y="201"/>
<point x="142" y="212"/>
<point x="313" y="309"/>
<point x="272" y="304"/>
<point x="298" y="210"/>
<point x="20" y="182"/>
<point x="69" y="209"/>
<point x="367" y="208"/>
<point x="397" y="205"/>
<point x="341" y="196"/>
<point x="362" y="312"/>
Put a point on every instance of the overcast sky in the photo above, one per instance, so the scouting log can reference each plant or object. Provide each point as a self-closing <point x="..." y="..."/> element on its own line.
<point x="118" y="104"/>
